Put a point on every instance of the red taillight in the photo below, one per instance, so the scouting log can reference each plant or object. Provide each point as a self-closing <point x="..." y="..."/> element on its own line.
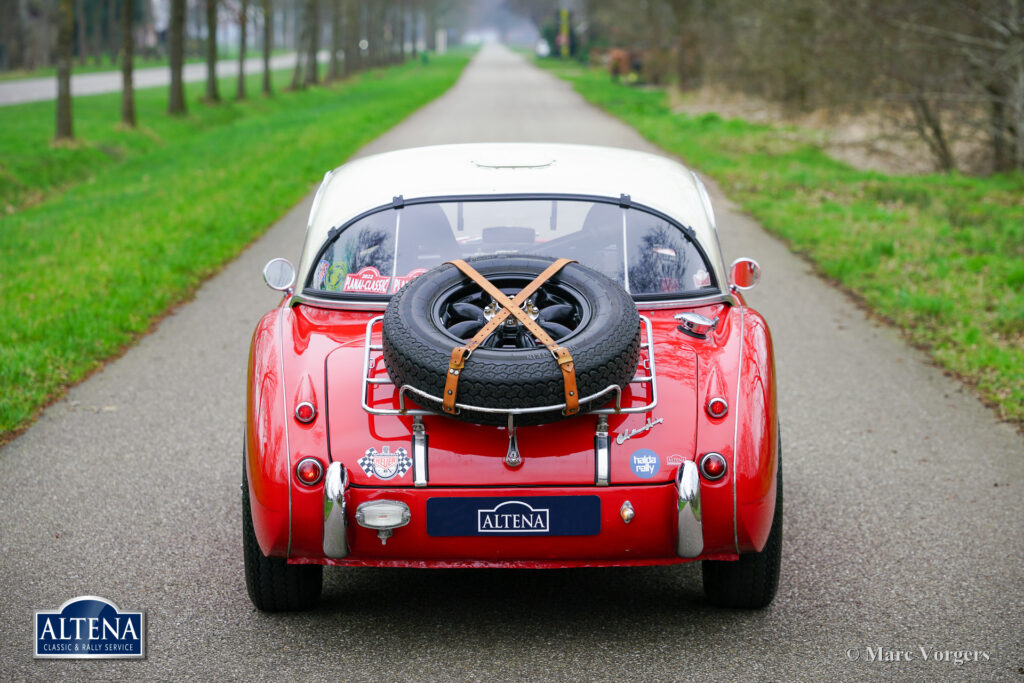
<point x="717" y="407"/>
<point x="305" y="412"/>
<point x="712" y="466"/>
<point x="309" y="471"/>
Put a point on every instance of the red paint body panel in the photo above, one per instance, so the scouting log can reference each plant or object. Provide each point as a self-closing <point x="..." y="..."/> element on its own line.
<point x="321" y="352"/>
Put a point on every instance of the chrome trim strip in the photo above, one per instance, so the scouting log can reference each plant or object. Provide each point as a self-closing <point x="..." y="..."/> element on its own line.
<point x="735" y="436"/>
<point x="602" y="452"/>
<point x="316" y="199"/>
<point x="419" y="453"/>
<point x="625" y="252"/>
<point x="335" y="540"/>
<point x="650" y="379"/>
<point x="351" y="305"/>
<point x="690" y="529"/>
<point x="284" y="411"/>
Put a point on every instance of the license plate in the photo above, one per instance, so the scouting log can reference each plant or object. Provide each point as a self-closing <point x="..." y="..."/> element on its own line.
<point x="523" y="516"/>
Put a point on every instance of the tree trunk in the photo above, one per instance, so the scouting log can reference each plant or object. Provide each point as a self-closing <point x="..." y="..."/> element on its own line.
<point x="212" y="93"/>
<point x="415" y="28"/>
<point x="401" y="30"/>
<point x="334" y="66"/>
<point x="113" y="41"/>
<point x="352" y="36"/>
<point x="301" y="40"/>
<point x="268" y="43"/>
<point x="313" y="31"/>
<point x="95" y="40"/>
<point x="929" y="127"/>
<point x="80" y="25"/>
<point x="127" y="57"/>
<point x="176" y="46"/>
<point x="431" y="30"/>
<point x="243" y="25"/>
<point x="65" y="40"/>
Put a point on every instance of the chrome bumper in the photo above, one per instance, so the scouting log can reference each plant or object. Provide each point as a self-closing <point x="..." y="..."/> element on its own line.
<point x="335" y="527"/>
<point x="690" y="539"/>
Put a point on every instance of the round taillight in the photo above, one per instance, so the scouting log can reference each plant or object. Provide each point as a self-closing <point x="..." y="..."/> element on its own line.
<point x="305" y="412"/>
<point x="717" y="407"/>
<point x="309" y="471"/>
<point x="712" y="466"/>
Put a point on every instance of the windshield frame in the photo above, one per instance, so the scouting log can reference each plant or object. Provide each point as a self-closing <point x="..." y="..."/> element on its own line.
<point x="379" y="302"/>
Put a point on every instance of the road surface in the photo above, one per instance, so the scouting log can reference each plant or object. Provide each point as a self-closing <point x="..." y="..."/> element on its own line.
<point x="37" y="89"/>
<point x="903" y="519"/>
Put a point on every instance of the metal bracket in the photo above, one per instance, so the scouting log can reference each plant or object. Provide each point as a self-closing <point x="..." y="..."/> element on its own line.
<point x="602" y="452"/>
<point x="419" y="452"/>
<point x="513" y="458"/>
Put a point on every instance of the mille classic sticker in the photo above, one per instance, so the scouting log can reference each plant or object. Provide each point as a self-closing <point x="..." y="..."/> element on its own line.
<point x="385" y="464"/>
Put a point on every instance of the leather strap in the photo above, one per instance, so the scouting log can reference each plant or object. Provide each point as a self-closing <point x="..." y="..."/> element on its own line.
<point x="510" y="307"/>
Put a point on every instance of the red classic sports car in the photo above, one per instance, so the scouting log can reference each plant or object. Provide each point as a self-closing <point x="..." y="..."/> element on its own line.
<point x="511" y="355"/>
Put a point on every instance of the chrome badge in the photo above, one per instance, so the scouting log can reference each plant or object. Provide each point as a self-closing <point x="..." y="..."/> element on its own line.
<point x="621" y="438"/>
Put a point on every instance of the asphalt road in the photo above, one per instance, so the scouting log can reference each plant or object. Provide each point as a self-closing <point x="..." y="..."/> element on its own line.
<point x="903" y="519"/>
<point x="38" y="89"/>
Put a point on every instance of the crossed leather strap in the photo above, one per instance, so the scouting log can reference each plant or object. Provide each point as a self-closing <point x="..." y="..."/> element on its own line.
<point x="511" y="307"/>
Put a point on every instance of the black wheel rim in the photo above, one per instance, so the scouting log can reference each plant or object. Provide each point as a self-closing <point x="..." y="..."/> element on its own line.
<point x="463" y="308"/>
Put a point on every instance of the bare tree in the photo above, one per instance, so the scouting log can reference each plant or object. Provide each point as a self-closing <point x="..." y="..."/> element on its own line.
<point x="127" y="63"/>
<point x="268" y="43"/>
<point x="243" y="25"/>
<point x="212" y="92"/>
<point x="65" y="40"/>
<point x="176" y="46"/>
<point x="80" y="24"/>
<point x="312" y="76"/>
<point x="333" y="64"/>
<point x="352" y="36"/>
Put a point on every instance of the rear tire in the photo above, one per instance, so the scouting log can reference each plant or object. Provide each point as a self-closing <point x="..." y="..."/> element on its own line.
<point x="273" y="584"/>
<point x="751" y="581"/>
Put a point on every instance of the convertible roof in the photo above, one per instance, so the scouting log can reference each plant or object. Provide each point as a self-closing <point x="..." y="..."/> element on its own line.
<point x="509" y="168"/>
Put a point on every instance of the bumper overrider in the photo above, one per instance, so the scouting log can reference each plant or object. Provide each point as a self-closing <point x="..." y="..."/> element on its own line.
<point x="670" y="517"/>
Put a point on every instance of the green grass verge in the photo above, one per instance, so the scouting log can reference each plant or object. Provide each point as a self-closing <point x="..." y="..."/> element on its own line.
<point x="941" y="256"/>
<point x="152" y="212"/>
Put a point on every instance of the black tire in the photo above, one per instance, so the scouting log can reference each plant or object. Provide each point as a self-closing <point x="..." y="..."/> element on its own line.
<point x="751" y="581"/>
<point x="273" y="584"/>
<point x="605" y="344"/>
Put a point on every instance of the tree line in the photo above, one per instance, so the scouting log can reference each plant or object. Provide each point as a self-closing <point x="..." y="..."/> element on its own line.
<point x="952" y="71"/>
<point x="357" y="34"/>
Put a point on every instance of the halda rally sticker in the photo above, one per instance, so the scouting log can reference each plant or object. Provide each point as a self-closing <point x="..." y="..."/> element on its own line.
<point x="385" y="464"/>
<point x="644" y="463"/>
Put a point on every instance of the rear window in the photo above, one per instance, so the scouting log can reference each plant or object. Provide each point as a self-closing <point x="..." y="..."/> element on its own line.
<point x="379" y="253"/>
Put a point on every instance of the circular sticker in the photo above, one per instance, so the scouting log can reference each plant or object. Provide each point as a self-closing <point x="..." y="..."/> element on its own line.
<point x="644" y="463"/>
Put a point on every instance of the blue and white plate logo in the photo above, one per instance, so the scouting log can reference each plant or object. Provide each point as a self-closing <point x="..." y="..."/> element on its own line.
<point x="645" y="463"/>
<point x="88" y="627"/>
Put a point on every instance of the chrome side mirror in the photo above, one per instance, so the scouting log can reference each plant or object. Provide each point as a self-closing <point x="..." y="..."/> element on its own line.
<point x="744" y="273"/>
<point x="279" y="274"/>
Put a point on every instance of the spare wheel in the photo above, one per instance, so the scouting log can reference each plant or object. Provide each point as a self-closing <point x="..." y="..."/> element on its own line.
<point x="582" y="309"/>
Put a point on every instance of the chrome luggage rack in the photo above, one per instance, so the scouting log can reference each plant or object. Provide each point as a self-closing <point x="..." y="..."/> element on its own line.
<point x="646" y="344"/>
<point x="513" y="458"/>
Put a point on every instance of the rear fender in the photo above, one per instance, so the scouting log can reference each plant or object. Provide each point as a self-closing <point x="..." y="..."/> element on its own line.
<point x="266" y="434"/>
